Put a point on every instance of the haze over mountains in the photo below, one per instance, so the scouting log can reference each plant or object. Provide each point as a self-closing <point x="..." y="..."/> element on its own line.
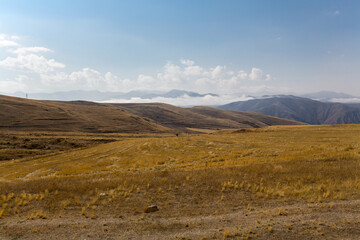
<point x="328" y="96"/>
<point x="323" y="96"/>
<point x="106" y="96"/>
<point x="300" y="109"/>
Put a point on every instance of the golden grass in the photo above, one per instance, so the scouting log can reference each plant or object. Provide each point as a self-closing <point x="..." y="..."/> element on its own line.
<point x="20" y="144"/>
<point x="198" y="174"/>
<point x="201" y="130"/>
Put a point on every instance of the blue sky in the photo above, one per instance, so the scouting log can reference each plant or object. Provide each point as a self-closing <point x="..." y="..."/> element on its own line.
<point x="244" y="47"/>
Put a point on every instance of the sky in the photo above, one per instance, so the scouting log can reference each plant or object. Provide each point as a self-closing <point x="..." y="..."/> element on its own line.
<point x="239" y="47"/>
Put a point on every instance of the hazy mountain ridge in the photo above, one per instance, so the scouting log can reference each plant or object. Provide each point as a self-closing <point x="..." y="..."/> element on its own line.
<point x="300" y="109"/>
<point x="106" y="96"/>
<point x="329" y="96"/>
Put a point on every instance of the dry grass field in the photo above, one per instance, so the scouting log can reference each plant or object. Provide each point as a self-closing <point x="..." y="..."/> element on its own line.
<point x="20" y="144"/>
<point x="280" y="182"/>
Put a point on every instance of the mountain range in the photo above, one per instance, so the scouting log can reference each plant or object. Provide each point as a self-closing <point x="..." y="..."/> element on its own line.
<point x="300" y="109"/>
<point x="106" y="96"/>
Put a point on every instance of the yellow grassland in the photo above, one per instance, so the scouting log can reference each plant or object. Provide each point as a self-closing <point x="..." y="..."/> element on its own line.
<point x="298" y="145"/>
<point x="188" y="174"/>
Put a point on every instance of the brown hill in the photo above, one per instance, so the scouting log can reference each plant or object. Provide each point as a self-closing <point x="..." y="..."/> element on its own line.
<point x="25" y="114"/>
<point x="201" y="117"/>
<point x="82" y="116"/>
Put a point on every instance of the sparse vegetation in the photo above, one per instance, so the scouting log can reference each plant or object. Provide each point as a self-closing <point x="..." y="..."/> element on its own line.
<point x="262" y="180"/>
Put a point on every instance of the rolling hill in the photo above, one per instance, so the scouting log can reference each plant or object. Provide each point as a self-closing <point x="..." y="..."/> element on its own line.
<point x="25" y="114"/>
<point x="82" y="116"/>
<point x="300" y="109"/>
<point x="200" y="117"/>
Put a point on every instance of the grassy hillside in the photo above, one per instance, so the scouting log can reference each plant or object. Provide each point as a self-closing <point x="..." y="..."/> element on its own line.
<point x="25" y="114"/>
<point x="200" y="117"/>
<point x="287" y="182"/>
<point x="248" y="119"/>
<point x="80" y="116"/>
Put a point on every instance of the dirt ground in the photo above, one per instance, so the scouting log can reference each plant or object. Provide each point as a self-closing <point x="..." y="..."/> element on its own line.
<point x="335" y="220"/>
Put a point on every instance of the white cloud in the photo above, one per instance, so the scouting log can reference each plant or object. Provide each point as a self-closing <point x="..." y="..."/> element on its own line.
<point x="217" y="79"/>
<point x="88" y="76"/>
<point x="51" y="75"/>
<point x="171" y="73"/>
<point x="25" y="50"/>
<point x="187" y="62"/>
<point x="51" y="79"/>
<point x="90" y="79"/>
<point x="14" y="37"/>
<point x="186" y="100"/>
<point x="85" y="79"/>
<point x="267" y="77"/>
<point x="6" y="41"/>
<point x="18" y="84"/>
<point x="27" y="59"/>
<point x="242" y="75"/>
<point x="256" y="74"/>
<point x="217" y="71"/>
<point x="146" y="81"/>
<point x="31" y="62"/>
<point x="189" y="77"/>
<point x="193" y="71"/>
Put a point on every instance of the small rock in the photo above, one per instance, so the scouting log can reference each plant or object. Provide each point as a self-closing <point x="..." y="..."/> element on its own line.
<point x="150" y="209"/>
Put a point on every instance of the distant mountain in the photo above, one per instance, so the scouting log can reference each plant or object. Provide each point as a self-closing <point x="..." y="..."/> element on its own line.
<point x="105" y="96"/>
<point x="328" y="96"/>
<point x="300" y="109"/>
<point x="179" y="93"/>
